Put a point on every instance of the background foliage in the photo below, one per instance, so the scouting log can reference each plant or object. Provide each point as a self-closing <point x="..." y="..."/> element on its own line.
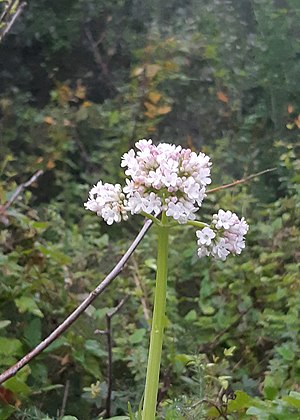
<point x="80" y="83"/>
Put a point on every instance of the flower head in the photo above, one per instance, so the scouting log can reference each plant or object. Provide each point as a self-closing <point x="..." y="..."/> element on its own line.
<point x="159" y="178"/>
<point x="224" y="236"/>
<point x="167" y="178"/>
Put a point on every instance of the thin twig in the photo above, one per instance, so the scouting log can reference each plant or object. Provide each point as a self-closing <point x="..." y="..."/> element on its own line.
<point x="143" y="294"/>
<point x="97" y="55"/>
<point x="9" y="24"/>
<point x="19" y="189"/>
<point x="109" y="317"/>
<point x="214" y="342"/>
<point x="240" y="181"/>
<point x="79" y="310"/>
<point x="65" y="397"/>
<point x="212" y="403"/>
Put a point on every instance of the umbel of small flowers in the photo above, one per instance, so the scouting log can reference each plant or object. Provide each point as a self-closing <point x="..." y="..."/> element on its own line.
<point x="170" y="181"/>
<point x="167" y="178"/>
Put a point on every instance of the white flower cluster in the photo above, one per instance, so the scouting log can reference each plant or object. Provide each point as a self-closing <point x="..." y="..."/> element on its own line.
<point x="160" y="178"/>
<point x="107" y="201"/>
<point x="224" y="236"/>
<point x="171" y="179"/>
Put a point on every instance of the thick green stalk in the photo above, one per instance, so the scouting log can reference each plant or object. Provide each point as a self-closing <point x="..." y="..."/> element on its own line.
<point x="158" y="323"/>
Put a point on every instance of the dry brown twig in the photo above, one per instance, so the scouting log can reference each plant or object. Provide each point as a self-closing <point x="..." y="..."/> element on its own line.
<point x="99" y="289"/>
<point x="240" y="181"/>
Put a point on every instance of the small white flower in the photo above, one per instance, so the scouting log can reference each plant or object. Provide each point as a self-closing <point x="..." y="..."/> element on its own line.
<point x="224" y="219"/>
<point x="205" y="236"/>
<point x="219" y="251"/>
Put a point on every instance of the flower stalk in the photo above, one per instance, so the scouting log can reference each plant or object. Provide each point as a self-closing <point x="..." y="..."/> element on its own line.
<point x="158" y="323"/>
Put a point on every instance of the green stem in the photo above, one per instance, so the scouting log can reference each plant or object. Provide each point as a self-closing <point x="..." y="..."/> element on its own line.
<point x="158" y="323"/>
<point x="197" y="224"/>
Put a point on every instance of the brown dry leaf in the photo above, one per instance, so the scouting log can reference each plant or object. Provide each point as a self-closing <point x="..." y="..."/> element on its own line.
<point x="222" y="97"/>
<point x="297" y="121"/>
<point x="162" y="110"/>
<point x="49" y="120"/>
<point x="65" y="360"/>
<point x="154" y="97"/>
<point x="152" y="70"/>
<point x="151" y="110"/>
<point x="290" y="108"/>
<point x="64" y="93"/>
<point x="50" y="164"/>
<point x="39" y="159"/>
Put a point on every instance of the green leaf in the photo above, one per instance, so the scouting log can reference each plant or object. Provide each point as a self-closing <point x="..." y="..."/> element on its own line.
<point x="94" y="347"/>
<point x="33" y="332"/>
<point x="242" y="401"/>
<point x="69" y="418"/>
<point x="229" y="352"/>
<point x="293" y="399"/>
<point x="137" y="336"/>
<point x="191" y="315"/>
<point x="28" y="304"/>
<point x="4" y="323"/>
<point x="10" y="346"/>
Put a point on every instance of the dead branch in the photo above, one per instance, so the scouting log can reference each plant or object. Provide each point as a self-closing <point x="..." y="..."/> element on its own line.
<point x="79" y="310"/>
<point x="240" y="181"/>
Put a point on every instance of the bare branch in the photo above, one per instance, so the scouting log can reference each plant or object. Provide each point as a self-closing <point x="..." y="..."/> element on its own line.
<point x="240" y="181"/>
<point x="19" y="189"/>
<point x="65" y="397"/>
<point x="97" y="55"/>
<point x="79" y="310"/>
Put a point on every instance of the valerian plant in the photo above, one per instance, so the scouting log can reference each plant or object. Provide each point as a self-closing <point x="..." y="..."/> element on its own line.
<point x="166" y="184"/>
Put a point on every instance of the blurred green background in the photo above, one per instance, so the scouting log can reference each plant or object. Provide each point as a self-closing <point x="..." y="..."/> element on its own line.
<point x="80" y="82"/>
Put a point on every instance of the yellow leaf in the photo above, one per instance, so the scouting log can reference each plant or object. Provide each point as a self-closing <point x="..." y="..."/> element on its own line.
<point x="49" y="120"/>
<point x="222" y="97"/>
<point x="80" y="91"/>
<point x="87" y="104"/>
<point x="64" y="94"/>
<point x="154" y="97"/>
<point x="137" y="71"/>
<point x="150" y="107"/>
<point x="170" y="66"/>
<point x="290" y="126"/>
<point x="152" y="70"/>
